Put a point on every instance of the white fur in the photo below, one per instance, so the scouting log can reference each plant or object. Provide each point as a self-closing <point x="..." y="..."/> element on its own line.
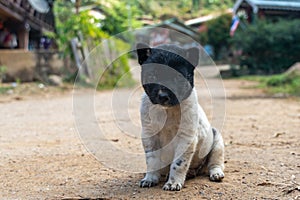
<point x="179" y="139"/>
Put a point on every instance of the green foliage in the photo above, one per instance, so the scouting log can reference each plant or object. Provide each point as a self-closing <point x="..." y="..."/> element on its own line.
<point x="217" y="34"/>
<point x="282" y="83"/>
<point x="117" y="74"/>
<point x="182" y="9"/>
<point x="4" y="89"/>
<point x="215" y="5"/>
<point x="269" y="47"/>
<point x="3" y="70"/>
<point x="120" y="16"/>
<point x="69" y="24"/>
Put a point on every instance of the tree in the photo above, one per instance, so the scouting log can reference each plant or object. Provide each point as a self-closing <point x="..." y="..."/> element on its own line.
<point x="269" y="47"/>
<point x="218" y="33"/>
<point x="69" y="23"/>
<point x="120" y="16"/>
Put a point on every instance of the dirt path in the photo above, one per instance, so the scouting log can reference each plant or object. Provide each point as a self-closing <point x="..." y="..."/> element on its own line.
<point x="41" y="156"/>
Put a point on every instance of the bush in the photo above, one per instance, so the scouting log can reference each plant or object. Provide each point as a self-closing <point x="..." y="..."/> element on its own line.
<point x="68" y="24"/>
<point x="3" y="70"/>
<point x="286" y="83"/>
<point x="217" y="34"/>
<point x="267" y="47"/>
<point x="118" y="17"/>
<point x="117" y="74"/>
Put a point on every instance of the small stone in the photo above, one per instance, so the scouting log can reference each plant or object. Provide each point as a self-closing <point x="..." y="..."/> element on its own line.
<point x="55" y="80"/>
<point x="41" y="85"/>
<point x="9" y="91"/>
<point x="278" y="134"/>
<point x="293" y="177"/>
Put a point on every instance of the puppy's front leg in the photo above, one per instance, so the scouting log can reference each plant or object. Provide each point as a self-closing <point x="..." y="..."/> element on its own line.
<point x="180" y="165"/>
<point x="152" y="150"/>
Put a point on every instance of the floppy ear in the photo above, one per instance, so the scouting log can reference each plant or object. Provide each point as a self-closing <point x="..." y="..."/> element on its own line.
<point x="192" y="55"/>
<point x="143" y="52"/>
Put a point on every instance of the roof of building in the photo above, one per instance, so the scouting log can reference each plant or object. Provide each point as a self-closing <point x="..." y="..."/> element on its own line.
<point x="206" y="18"/>
<point x="292" y="5"/>
<point x="179" y="26"/>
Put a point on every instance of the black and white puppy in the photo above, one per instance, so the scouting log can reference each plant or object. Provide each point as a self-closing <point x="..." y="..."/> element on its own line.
<point x="177" y="137"/>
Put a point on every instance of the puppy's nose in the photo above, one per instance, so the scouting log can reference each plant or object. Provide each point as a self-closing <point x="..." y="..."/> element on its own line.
<point x="163" y="97"/>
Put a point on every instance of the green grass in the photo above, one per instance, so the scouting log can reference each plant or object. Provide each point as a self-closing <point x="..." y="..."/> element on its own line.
<point x="282" y="83"/>
<point x="4" y="89"/>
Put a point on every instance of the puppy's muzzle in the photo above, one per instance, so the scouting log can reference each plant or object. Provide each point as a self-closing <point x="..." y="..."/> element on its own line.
<point x="163" y="98"/>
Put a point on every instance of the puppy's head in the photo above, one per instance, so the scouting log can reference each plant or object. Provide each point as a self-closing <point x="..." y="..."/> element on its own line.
<point x="167" y="72"/>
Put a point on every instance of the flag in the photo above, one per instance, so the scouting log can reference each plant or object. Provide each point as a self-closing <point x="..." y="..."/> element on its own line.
<point x="234" y="24"/>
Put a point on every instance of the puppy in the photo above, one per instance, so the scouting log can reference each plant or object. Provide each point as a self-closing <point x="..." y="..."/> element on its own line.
<point x="177" y="137"/>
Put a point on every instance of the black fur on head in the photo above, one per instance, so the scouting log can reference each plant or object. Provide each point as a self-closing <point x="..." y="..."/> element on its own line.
<point x="167" y="72"/>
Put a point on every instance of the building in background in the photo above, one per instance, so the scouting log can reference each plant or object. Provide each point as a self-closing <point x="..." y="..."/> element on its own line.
<point x="271" y="9"/>
<point x="27" y="20"/>
<point x="25" y="51"/>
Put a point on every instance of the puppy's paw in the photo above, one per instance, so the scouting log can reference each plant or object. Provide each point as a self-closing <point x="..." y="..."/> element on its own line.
<point x="150" y="180"/>
<point x="147" y="183"/>
<point x="216" y="174"/>
<point x="192" y="173"/>
<point x="172" y="186"/>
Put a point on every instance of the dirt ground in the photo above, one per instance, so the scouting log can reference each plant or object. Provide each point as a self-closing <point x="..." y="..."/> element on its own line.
<point x="42" y="157"/>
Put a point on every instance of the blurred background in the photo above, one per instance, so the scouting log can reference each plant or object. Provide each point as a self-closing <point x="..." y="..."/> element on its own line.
<point x="46" y="40"/>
